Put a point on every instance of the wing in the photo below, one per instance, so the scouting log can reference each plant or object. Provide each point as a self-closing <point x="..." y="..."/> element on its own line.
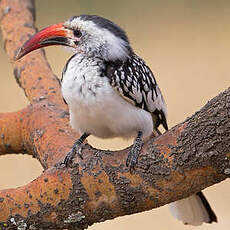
<point x="60" y="81"/>
<point x="135" y="82"/>
<point x="63" y="72"/>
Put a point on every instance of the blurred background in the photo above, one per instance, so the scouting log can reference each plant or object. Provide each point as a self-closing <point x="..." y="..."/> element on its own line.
<point x="186" y="44"/>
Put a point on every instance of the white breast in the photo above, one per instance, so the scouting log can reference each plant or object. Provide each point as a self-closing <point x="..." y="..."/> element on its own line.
<point x="95" y="107"/>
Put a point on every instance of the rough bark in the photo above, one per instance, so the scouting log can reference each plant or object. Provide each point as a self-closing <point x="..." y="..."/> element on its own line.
<point x="191" y="156"/>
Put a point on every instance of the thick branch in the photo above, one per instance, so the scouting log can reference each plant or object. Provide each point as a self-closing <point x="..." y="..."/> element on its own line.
<point x="186" y="159"/>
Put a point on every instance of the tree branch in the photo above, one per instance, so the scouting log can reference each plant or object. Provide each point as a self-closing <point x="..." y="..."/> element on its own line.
<point x="32" y="73"/>
<point x="10" y="133"/>
<point x="189" y="157"/>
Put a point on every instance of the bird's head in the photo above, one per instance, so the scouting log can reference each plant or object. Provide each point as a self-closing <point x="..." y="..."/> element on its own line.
<point x="90" y="35"/>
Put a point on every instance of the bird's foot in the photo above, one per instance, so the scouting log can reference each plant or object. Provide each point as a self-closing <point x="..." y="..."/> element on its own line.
<point x="134" y="153"/>
<point x="76" y="149"/>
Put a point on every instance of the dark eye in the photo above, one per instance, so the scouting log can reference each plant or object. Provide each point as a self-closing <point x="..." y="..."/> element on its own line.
<point x="77" y="33"/>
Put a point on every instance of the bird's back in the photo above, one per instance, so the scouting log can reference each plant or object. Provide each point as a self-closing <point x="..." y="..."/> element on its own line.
<point x="135" y="82"/>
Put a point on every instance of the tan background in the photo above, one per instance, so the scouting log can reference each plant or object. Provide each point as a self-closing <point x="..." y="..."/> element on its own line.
<point x="186" y="43"/>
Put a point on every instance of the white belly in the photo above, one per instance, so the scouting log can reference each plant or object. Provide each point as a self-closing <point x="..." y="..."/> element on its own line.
<point x="96" y="108"/>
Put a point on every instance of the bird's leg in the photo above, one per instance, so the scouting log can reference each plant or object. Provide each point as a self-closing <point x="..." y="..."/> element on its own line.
<point x="75" y="149"/>
<point x="158" y="131"/>
<point x="133" y="154"/>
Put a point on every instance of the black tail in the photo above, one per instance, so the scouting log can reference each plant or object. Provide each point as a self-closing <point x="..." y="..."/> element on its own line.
<point x="212" y="215"/>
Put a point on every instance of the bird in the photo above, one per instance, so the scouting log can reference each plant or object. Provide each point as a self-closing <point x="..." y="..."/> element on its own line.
<point x="111" y="92"/>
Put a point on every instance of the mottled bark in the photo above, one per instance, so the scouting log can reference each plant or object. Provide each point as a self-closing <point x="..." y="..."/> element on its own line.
<point x="191" y="156"/>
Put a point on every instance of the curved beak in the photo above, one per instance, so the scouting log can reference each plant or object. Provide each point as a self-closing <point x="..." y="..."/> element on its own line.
<point x="53" y="35"/>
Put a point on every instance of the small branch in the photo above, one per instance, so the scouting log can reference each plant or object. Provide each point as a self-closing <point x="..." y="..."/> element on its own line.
<point x="47" y="134"/>
<point x="10" y="133"/>
<point x="32" y="73"/>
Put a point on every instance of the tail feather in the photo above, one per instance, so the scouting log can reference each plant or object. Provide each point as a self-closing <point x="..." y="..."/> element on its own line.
<point x="194" y="210"/>
<point x="211" y="214"/>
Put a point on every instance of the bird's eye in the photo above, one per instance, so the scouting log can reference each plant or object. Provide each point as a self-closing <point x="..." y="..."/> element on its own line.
<point x="77" y="33"/>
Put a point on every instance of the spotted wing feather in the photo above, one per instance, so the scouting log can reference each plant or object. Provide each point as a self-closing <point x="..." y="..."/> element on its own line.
<point x="135" y="82"/>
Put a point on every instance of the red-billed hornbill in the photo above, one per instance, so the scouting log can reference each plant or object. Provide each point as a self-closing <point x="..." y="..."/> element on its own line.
<point x="111" y="92"/>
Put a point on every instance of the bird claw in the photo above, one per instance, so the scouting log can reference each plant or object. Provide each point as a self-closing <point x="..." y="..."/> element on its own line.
<point x="133" y="155"/>
<point x="70" y="155"/>
<point x="76" y="149"/>
<point x="131" y="163"/>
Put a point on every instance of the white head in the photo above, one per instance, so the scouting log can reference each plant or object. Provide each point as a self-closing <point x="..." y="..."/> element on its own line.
<point x="90" y="35"/>
<point x="97" y="36"/>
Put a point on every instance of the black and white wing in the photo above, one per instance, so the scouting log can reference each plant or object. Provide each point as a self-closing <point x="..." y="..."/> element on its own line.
<point x="135" y="82"/>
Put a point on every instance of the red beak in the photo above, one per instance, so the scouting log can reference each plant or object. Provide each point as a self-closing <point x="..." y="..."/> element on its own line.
<point x="52" y="35"/>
